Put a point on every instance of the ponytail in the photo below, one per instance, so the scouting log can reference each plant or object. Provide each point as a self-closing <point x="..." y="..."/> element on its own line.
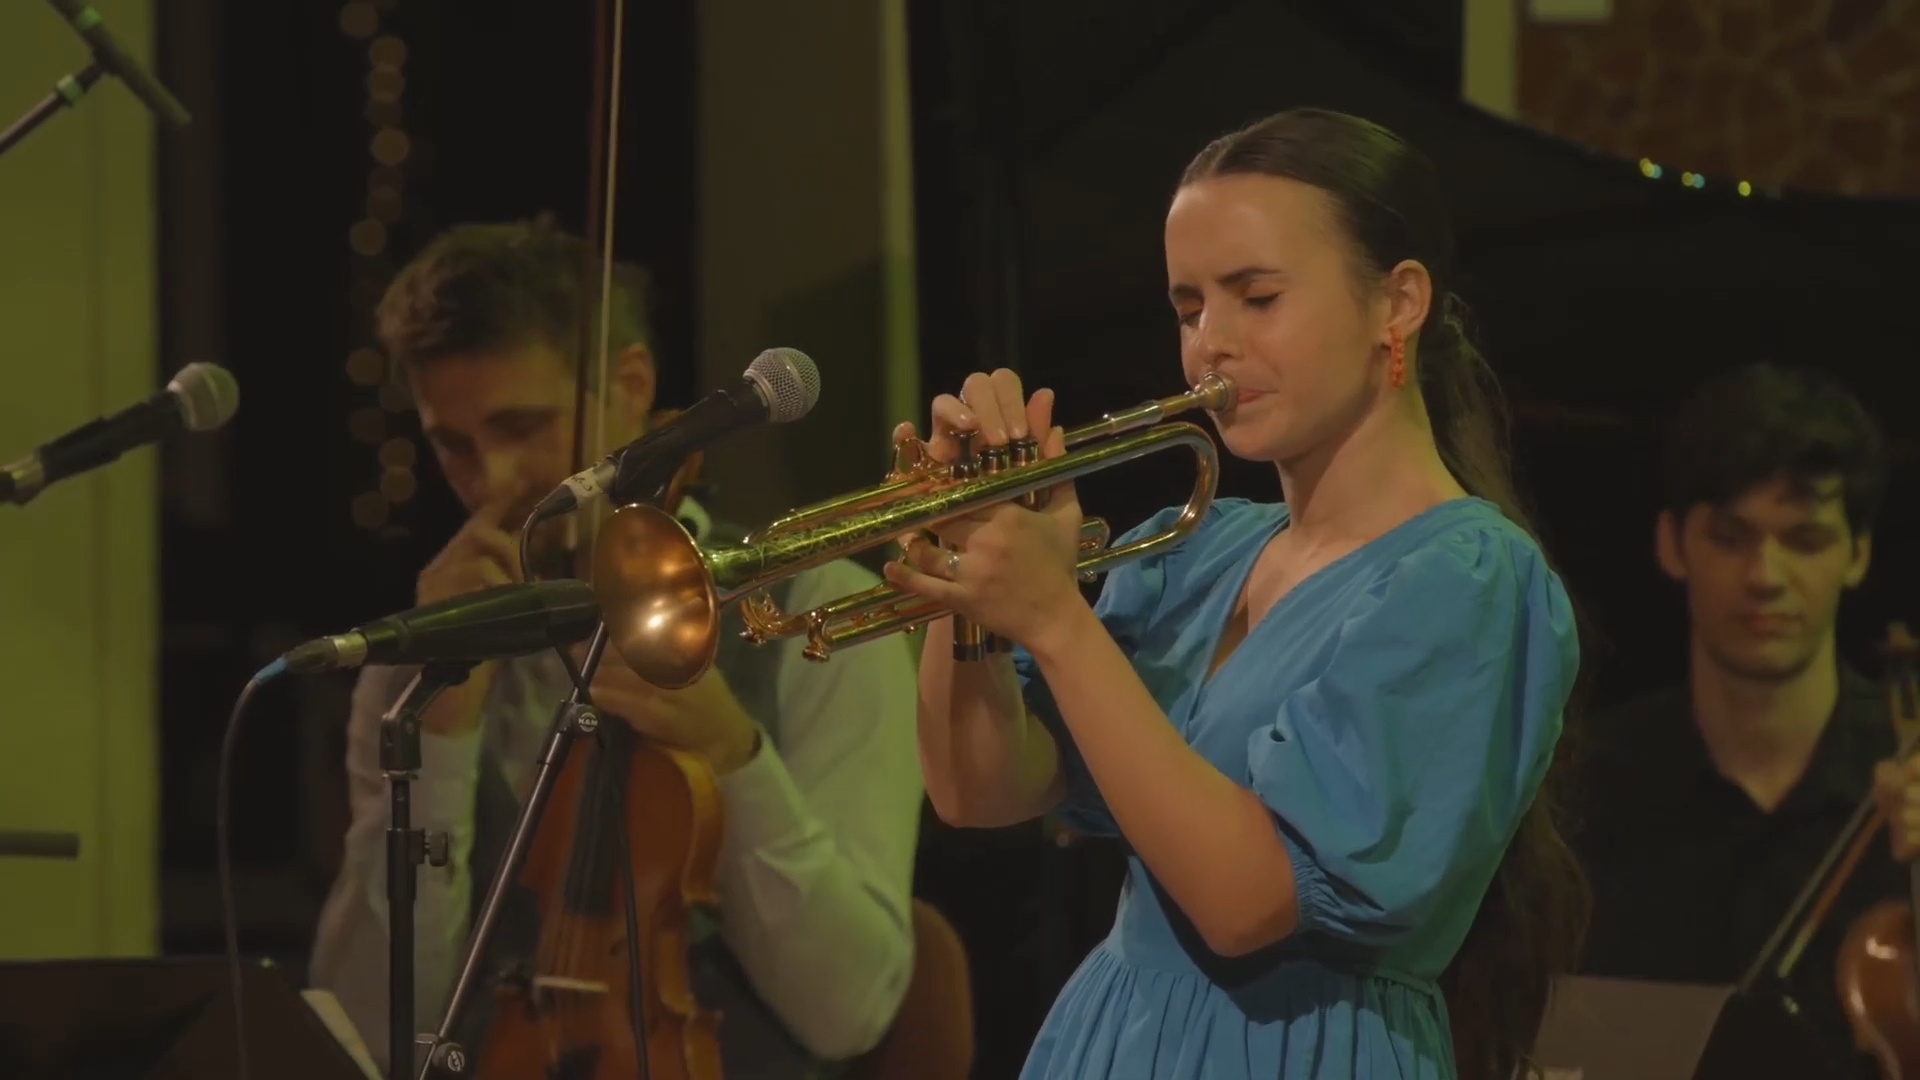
<point x="1533" y="919"/>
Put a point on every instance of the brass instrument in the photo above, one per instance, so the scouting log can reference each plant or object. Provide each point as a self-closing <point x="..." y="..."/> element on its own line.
<point x="661" y="593"/>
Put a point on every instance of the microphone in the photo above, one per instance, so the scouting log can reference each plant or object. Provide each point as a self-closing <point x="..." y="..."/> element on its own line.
<point x="200" y="398"/>
<point x="780" y="386"/>
<point x="115" y="61"/>
<point x="492" y="624"/>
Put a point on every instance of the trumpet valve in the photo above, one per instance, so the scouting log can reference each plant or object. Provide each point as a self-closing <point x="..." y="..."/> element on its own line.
<point x="970" y="642"/>
<point x="967" y="465"/>
<point x="1026" y="452"/>
<point x="995" y="460"/>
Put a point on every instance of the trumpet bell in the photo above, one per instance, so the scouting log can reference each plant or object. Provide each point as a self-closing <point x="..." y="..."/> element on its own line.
<point x="657" y="596"/>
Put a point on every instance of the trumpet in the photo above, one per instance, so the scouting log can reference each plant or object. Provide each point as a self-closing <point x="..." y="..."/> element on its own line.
<point x="661" y="593"/>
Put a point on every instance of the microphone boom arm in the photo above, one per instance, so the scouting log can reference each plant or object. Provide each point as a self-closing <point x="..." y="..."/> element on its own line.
<point x="66" y="94"/>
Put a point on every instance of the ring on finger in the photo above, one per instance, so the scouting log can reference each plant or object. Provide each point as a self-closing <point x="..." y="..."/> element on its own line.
<point x="953" y="565"/>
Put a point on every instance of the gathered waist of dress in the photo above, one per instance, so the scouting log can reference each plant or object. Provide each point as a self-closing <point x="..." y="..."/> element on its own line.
<point x="1144" y="937"/>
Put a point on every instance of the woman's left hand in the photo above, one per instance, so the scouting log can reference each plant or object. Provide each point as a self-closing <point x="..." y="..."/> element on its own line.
<point x="1011" y="570"/>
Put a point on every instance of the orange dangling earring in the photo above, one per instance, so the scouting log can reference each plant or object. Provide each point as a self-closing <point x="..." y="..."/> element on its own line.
<point x="1397" y="368"/>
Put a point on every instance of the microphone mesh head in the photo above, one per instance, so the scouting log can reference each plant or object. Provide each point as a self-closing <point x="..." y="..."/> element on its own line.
<point x="788" y="380"/>
<point x="208" y="395"/>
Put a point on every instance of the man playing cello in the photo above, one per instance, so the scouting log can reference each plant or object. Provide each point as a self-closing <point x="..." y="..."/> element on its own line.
<point x="818" y="771"/>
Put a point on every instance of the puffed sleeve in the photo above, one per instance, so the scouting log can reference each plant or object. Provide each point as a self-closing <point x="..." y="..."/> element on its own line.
<point x="1400" y="772"/>
<point x="1127" y="601"/>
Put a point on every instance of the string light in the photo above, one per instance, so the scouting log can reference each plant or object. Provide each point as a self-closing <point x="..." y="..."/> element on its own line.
<point x="1653" y="170"/>
<point x="1698" y="181"/>
<point x="389" y="149"/>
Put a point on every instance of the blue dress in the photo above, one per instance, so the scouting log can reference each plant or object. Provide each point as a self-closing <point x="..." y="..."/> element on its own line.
<point x="1397" y="712"/>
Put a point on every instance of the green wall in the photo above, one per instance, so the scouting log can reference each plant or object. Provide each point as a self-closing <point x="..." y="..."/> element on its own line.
<point x="78" y="567"/>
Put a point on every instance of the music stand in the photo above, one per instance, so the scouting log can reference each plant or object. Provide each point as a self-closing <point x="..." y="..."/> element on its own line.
<point x="1628" y="1029"/>
<point x="158" y="1019"/>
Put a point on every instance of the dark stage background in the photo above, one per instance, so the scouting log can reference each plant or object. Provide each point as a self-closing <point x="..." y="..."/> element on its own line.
<point x="1047" y="139"/>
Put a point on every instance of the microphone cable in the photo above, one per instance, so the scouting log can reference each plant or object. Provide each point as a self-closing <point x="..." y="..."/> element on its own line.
<point x="223" y="856"/>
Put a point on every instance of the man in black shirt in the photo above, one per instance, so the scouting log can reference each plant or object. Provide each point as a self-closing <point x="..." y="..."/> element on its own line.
<point x="1710" y="805"/>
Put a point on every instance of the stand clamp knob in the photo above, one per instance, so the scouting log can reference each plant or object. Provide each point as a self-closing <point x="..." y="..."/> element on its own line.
<point x="450" y="1058"/>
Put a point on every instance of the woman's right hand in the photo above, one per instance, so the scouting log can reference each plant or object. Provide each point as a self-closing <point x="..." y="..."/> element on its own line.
<point x="996" y="411"/>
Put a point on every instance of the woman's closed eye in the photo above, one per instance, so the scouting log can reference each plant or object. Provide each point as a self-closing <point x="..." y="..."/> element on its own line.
<point x="1262" y="303"/>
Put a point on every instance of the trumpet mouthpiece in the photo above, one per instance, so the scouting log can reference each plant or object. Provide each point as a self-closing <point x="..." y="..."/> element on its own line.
<point x="1215" y="391"/>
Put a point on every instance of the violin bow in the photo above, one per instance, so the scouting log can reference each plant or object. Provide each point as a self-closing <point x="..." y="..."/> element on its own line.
<point x="591" y="389"/>
<point x="596" y="307"/>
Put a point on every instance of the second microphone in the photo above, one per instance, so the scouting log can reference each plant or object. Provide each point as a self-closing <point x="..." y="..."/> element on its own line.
<point x="779" y="387"/>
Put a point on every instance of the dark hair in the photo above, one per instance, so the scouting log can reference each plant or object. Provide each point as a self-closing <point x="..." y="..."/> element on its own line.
<point x="1764" y="422"/>
<point x="480" y="288"/>
<point x="1387" y="197"/>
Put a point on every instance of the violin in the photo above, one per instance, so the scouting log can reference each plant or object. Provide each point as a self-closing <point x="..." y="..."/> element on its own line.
<point x="621" y="805"/>
<point x="1877" y="972"/>
<point x="625" y="855"/>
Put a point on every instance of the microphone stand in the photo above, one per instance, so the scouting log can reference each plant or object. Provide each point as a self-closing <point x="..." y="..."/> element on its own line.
<point x="65" y="95"/>
<point x="408" y="847"/>
<point x="576" y="715"/>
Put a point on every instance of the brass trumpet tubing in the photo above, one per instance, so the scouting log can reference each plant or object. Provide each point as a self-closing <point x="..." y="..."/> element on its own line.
<point x="750" y="567"/>
<point x="872" y="627"/>
<point x="1213" y="393"/>
<point x="883" y="495"/>
<point x="872" y="612"/>
<point x="766" y="622"/>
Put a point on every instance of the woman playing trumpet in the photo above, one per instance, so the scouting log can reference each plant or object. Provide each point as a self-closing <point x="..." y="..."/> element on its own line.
<point x="1322" y="727"/>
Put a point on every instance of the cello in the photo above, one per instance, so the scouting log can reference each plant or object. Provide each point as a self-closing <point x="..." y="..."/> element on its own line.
<point x="626" y="851"/>
<point x="1877" y="972"/>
